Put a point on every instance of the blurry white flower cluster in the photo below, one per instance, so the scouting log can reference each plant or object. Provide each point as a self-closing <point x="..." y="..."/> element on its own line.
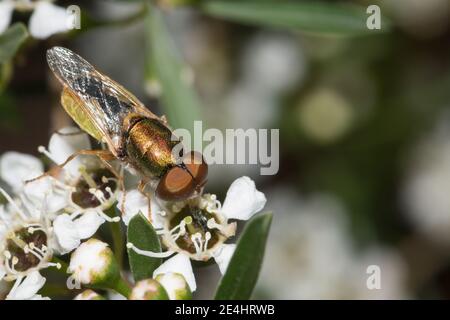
<point x="312" y="256"/>
<point x="325" y="115"/>
<point x="46" y="18"/>
<point x="425" y="192"/>
<point x="272" y="64"/>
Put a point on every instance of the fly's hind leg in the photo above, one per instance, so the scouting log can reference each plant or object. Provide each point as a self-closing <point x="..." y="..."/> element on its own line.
<point x="103" y="155"/>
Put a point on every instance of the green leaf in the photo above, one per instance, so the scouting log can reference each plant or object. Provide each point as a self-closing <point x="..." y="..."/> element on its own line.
<point x="10" y="117"/>
<point x="313" y="17"/>
<point x="11" y="40"/>
<point x="240" y="278"/>
<point x="179" y="99"/>
<point x="5" y="75"/>
<point x="142" y="235"/>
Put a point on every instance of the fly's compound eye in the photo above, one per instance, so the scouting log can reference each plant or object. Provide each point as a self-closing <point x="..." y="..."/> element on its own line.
<point x="181" y="182"/>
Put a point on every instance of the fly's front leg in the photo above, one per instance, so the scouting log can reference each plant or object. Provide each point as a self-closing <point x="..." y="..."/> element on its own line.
<point x="141" y="188"/>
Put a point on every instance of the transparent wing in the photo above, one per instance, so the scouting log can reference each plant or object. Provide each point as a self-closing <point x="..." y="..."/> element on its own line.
<point x="105" y="102"/>
<point x="76" y="109"/>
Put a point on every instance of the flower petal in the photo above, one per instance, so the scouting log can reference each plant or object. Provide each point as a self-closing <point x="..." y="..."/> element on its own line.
<point x="16" y="168"/>
<point x="6" y="9"/>
<point x="63" y="146"/>
<point x="181" y="264"/>
<point x="243" y="200"/>
<point x="2" y="273"/>
<point x="223" y="256"/>
<point x="88" y="224"/>
<point x="47" y="19"/>
<point x="39" y="297"/>
<point x="135" y="201"/>
<point x="66" y="233"/>
<point x="28" y="288"/>
<point x="175" y="285"/>
<point x="42" y="190"/>
<point x="91" y="261"/>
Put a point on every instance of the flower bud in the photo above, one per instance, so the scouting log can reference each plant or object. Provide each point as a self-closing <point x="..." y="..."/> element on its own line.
<point x="93" y="263"/>
<point x="89" y="295"/>
<point x="149" y="289"/>
<point x="175" y="285"/>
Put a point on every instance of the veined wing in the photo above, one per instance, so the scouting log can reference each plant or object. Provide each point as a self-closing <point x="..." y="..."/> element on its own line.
<point x="105" y="103"/>
<point x="78" y="112"/>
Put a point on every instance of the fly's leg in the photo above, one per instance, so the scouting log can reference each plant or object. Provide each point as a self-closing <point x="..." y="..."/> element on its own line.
<point x="103" y="155"/>
<point x="141" y="188"/>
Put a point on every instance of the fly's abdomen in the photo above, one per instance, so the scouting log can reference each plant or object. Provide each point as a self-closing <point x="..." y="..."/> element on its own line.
<point x="149" y="147"/>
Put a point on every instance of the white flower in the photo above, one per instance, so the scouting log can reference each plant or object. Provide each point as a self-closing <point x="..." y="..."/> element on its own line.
<point x="133" y="202"/>
<point x="93" y="263"/>
<point x="75" y="196"/>
<point x="427" y="185"/>
<point x="26" y="239"/>
<point x="243" y="200"/>
<point x="223" y="256"/>
<point x="89" y="188"/>
<point x="148" y="289"/>
<point x="47" y="19"/>
<point x="16" y="168"/>
<point x="65" y="143"/>
<point x="26" y="246"/>
<point x="27" y="288"/>
<point x="47" y="190"/>
<point x="6" y="10"/>
<point x="175" y="285"/>
<point x="198" y="228"/>
<point x="89" y="295"/>
<point x="69" y="232"/>
<point x="178" y="264"/>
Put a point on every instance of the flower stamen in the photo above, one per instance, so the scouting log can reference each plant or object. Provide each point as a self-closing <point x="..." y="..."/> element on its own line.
<point x="29" y="249"/>
<point x="106" y="217"/>
<point x="197" y="241"/>
<point x="150" y="254"/>
<point x="91" y="183"/>
<point x="207" y="238"/>
<point x="13" y="204"/>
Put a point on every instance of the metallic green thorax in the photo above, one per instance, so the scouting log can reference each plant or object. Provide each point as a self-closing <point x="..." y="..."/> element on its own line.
<point x="149" y="147"/>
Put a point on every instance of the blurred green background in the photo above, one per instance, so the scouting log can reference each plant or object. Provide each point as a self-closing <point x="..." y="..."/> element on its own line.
<point x="364" y="119"/>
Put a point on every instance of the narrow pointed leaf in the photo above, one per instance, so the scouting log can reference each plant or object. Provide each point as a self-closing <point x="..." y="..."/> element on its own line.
<point x="10" y="41"/>
<point x="179" y="100"/>
<point x="142" y="235"/>
<point x="240" y="278"/>
<point x="313" y="16"/>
